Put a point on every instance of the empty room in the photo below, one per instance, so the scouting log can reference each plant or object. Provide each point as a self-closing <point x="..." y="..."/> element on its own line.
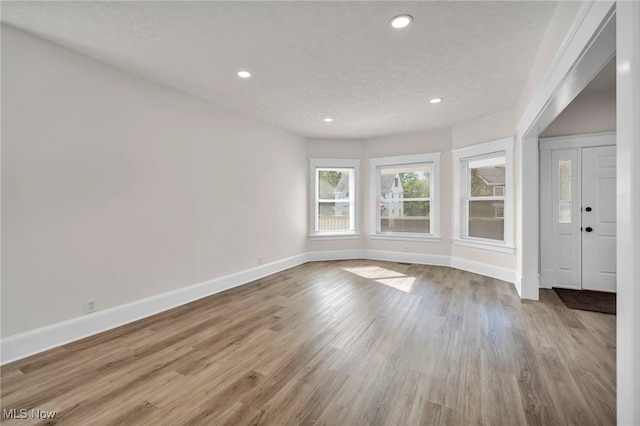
<point x="320" y="212"/>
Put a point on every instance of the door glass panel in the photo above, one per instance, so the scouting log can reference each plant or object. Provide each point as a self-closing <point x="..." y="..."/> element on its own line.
<point x="565" y="169"/>
<point x="565" y="213"/>
<point x="564" y="191"/>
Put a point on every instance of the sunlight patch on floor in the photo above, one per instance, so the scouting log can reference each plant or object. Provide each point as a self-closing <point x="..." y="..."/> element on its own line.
<point x="390" y="278"/>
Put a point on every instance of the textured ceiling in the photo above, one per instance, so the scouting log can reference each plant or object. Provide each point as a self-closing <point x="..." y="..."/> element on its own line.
<point x="312" y="60"/>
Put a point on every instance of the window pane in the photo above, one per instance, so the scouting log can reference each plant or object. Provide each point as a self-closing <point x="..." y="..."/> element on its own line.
<point x="414" y="218"/>
<point x="564" y="213"/>
<point x="486" y="219"/>
<point x="485" y="175"/>
<point x="334" y="216"/>
<point x="405" y="182"/>
<point x="565" y="190"/>
<point x="333" y="184"/>
<point x="397" y="185"/>
<point x="565" y="169"/>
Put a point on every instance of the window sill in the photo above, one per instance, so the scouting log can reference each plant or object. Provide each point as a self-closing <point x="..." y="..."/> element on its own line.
<point x="486" y="245"/>
<point x="351" y="236"/>
<point x="407" y="237"/>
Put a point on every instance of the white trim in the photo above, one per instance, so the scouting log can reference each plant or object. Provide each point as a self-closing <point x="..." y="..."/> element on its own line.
<point x="586" y="140"/>
<point x="354" y="185"/>
<point x="22" y="345"/>
<point x="337" y="236"/>
<point x="485" y="149"/>
<point x="628" y="212"/>
<point x="485" y="245"/>
<point x="35" y="341"/>
<point x="322" y="256"/>
<point x="588" y="46"/>
<point x="405" y="159"/>
<point x="584" y="31"/>
<point x="407" y="237"/>
<point x="405" y="257"/>
<point x="482" y="149"/>
<point x="433" y="159"/>
<point x="497" y="272"/>
<point x="518" y="283"/>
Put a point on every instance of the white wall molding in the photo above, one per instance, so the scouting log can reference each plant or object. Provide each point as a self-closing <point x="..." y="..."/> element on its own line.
<point x="628" y="212"/>
<point x="406" y="257"/>
<point x="320" y="256"/>
<point x="585" y="140"/>
<point x="518" y="283"/>
<point x="497" y="272"/>
<point x="35" y="341"/>
<point x="22" y="345"/>
<point x="587" y="48"/>
<point x="589" y="23"/>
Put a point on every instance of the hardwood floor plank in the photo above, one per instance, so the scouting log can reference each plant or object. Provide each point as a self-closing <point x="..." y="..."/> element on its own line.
<point x="353" y="342"/>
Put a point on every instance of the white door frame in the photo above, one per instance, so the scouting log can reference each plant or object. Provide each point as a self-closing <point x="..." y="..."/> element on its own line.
<point x="591" y="44"/>
<point x="549" y="148"/>
<point x="545" y="106"/>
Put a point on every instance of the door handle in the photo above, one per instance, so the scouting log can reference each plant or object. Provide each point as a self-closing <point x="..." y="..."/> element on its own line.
<point x="588" y="229"/>
<point x="588" y="209"/>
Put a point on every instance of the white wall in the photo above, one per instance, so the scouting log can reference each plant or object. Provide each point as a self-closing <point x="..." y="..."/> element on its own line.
<point x="493" y="127"/>
<point x="116" y="188"/>
<point x="628" y="215"/>
<point x="404" y="144"/>
<point x="425" y="142"/>
<point x="563" y="17"/>
<point x="587" y="113"/>
<point x="496" y="126"/>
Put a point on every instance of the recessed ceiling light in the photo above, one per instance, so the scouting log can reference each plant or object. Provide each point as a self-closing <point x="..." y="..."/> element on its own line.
<point x="436" y="100"/>
<point x="401" y="21"/>
<point x="328" y="120"/>
<point x="244" y="74"/>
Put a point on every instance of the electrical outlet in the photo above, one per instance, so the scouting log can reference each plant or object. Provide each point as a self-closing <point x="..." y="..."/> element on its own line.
<point x="90" y="306"/>
<point x="260" y="260"/>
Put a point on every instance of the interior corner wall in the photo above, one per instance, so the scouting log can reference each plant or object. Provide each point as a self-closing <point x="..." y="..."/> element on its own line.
<point x="493" y="127"/>
<point x="588" y="113"/>
<point x="403" y="144"/>
<point x="116" y="189"/>
<point x="438" y="140"/>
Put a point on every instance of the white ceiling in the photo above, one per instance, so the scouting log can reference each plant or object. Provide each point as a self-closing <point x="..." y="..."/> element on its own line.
<point x="312" y="60"/>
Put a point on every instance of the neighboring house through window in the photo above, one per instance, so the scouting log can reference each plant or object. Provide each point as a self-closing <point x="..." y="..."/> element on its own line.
<point x="484" y="195"/>
<point x="333" y="210"/>
<point x="405" y="195"/>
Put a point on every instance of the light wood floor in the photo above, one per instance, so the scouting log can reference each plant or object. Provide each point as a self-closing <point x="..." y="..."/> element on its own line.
<point x="335" y="343"/>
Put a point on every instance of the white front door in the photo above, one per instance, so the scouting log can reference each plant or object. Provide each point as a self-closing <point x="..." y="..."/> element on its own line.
<point x="578" y="212"/>
<point x="599" y="218"/>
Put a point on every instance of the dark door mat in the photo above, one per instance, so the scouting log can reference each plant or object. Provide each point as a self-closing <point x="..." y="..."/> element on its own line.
<point x="588" y="300"/>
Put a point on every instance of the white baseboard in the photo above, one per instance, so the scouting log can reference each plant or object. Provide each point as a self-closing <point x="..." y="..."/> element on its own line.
<point x="39" y="340"/>
<point x="405" y="257"/>
<point x="518" y="283"/>
<point x="320" y="256"/>
<point x="504" y="274"/>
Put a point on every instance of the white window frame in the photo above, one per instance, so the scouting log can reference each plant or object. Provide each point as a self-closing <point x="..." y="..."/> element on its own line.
<point x="433" y="159"/>
<point x="461" y="156"/>
<point x="316" y="164"/>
